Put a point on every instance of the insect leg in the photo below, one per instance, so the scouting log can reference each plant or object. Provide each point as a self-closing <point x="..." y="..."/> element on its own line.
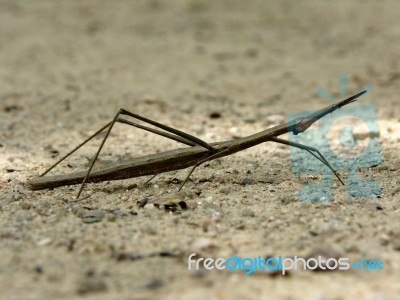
<point x="310" y="150"/>
<point x="177" y="135"/>
<point x="170" y="129"/>
<point x="211" y="157"/>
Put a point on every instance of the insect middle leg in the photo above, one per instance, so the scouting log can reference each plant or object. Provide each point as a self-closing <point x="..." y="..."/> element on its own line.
<point x="211" y="157"/>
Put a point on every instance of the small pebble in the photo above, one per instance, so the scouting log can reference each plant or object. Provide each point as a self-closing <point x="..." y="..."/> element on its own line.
<point x="271" y="179"/>
<point x="24" y="217"/>
<point x="250" y="120"/>
<point x="78" y="210"/>
<point x="395" y="190"/>
<point x="91" y="285"/>
<point x="142" y="202"/>
<point x="25" y="205"/>
<point x="183" y="205"/>
<point x="212" y="209"/>
<point x="202" y="244"/>
<point x="175" y="180"/>
<point x="93" y="216"/>
<point x="225" y="190"/>
<point x="396" y="245"/>
<point x="384" y="239"/>
<point x="150" y="230"/>
<point x="44" y="241"/>
<point x="128" y="256"/>
<point x="11" y="199"/>
<point x="247" y="213"/>
<point x="210" y="225"/>
<point x="286" y="199"/>
<point x="246" y="181"/>
<point x="383" y="168"/>
<point x="231" y="171"/>
<point x="132" y="186"/>
<point x="252" y="164"/>
<point x="373" y="206"/>
<point x="112" y="218"/>
<point x="154" y="283"/>
<point x="185" y="215"/>
<point x="395" y="165"/>
<point x="43" y="208"/>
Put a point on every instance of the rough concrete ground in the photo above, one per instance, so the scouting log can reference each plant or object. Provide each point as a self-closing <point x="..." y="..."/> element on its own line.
<point x="216" y="69"/>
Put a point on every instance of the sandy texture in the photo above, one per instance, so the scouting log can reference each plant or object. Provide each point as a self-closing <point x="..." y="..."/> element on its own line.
<point x="216" y="69"/>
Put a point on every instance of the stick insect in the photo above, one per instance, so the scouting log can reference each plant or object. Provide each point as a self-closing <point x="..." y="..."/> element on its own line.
<point x="193" y="156"/>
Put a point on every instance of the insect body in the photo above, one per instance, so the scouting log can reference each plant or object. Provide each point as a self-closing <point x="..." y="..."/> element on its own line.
<point x="197" y="153"/>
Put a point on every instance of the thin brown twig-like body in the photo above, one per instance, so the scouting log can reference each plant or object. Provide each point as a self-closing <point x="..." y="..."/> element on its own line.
<point x="181" y="158"/>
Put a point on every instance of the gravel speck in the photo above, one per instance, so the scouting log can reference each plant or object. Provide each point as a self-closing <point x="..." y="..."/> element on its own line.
<point x="225" y="190"/>
<point x="246" y="181"/>
<point x="142" y="202"/>
<point x="91" y="285"/>
<point x="154" y="283"/>
<point x="396" y="245"/>
<point x="93" y="216"/>
<point x="247" y="213"/>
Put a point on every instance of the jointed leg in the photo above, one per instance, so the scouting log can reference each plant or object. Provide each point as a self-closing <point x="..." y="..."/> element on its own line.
<point x="211" y="157"/>
<point x="120" y="120"/>
<point x="151" y="178"/>
<point x="97" y="154"/>
<point x="182" y="134"/>
<point x="179" y="136"/>
<point x="175" y="134"/>
<point x="76" y="148"/>
<point x="159" y="132"/>
<point x="310" y="150"/>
